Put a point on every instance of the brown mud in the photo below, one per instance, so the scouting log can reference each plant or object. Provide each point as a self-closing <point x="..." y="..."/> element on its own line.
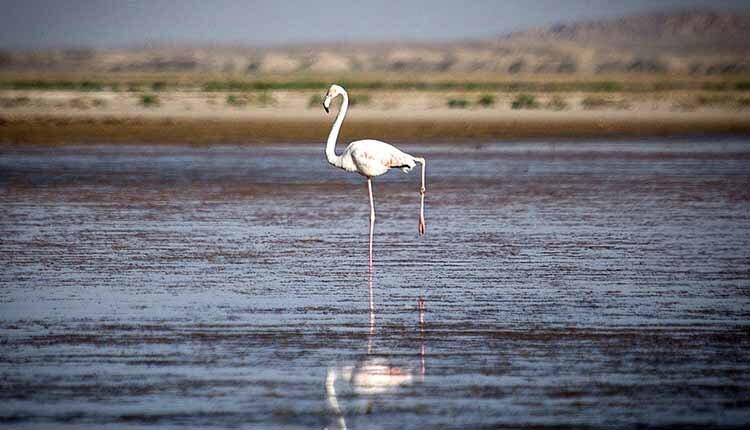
<point x="45" y="130"/>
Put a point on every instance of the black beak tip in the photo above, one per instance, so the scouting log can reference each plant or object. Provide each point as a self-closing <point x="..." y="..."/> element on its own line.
<point x="326" y="108"/>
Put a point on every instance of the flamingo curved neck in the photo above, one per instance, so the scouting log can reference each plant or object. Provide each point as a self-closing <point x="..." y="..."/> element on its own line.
<point x="333" y="136"/>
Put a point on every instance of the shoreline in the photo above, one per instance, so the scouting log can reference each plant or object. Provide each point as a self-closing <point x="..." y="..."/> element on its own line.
<point x="423" y="127"/>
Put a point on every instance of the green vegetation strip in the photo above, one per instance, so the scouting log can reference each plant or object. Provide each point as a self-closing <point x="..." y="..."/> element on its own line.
<point x="504" y="86"/>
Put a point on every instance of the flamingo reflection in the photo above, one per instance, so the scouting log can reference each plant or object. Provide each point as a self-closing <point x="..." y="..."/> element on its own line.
<point x="372" y="375"/>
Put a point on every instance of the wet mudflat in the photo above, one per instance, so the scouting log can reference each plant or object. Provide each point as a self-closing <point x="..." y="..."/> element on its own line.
<point x="600" y="284"/>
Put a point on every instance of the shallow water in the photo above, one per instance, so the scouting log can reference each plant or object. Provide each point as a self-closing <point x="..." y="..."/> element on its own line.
<point x="571" y="284"/>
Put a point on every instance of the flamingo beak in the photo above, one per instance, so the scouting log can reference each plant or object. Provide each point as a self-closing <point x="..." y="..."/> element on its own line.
<point x="325" y="107"/>
<point x="327" y="102"/>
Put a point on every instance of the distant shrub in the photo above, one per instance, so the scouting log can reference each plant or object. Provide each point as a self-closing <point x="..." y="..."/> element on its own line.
<point x="54" y="85"/>
<point x="158" y="86"/>
<point x="715" y="100"/>
<point x="90" y="86"/>
<point x="742" y="86"/>
<point x="316" y="100"/>
<point x="722" y="101"/>
<point x="524" y="101"/>
<point x="362" y="99"/>
<point x="219" y="86"/>
<point x="594" y="102"/>
<point x="607" y="86"/>
<point x="236" y="100"/>
<point x="265" y="98"/>
<point x="233" y="85"/>
<point x="458" y="103"/>
<point x="715" y="86"/>
<point x="11" y="102"/>
<point x="684" y="104"/>
<point x="665" y="86"/>
<point x="150" y="100"/>
<point x="79" y="103"/>
<point x="557" y="103"/>
<point x="486" y="100"/>
<point x="599" y="102"/>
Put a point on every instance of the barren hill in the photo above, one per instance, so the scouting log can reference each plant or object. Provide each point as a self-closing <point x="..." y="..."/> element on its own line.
<point x="690" y="42"/>
<point x="688" y="32"/>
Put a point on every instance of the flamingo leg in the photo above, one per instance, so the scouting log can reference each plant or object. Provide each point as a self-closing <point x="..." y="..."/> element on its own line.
<point x="421" y="336"/>
<point x="372" y="231"/>
<point x="422" y="191"/>
<point x="372" y="318"/>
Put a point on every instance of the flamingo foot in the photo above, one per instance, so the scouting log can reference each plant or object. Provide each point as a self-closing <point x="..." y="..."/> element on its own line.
<point x="421" y="226"/>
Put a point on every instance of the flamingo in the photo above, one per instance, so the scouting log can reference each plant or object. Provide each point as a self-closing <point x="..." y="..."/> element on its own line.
<point x="369" y="158"/>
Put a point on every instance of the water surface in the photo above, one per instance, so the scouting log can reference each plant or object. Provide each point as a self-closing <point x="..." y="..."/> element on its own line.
<point x="570" y="284"/>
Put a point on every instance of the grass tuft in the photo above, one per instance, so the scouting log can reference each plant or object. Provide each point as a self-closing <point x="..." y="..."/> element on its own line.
<point x="458" y="103"/>
<point x="158" y="86"/>
<point x="557" y="103"/>
<point x="237" y="100"/>
<point x="601" y="102"/>
<point x="524" y="101"/>
<point x="486" y="100"/>
<point x="150" y="100"/>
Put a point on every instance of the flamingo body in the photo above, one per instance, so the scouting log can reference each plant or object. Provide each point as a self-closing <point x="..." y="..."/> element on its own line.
<point x="372" y="158"/>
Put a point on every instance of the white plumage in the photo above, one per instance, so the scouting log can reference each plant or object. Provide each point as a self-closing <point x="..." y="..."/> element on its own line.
<point x="373" y="158"/>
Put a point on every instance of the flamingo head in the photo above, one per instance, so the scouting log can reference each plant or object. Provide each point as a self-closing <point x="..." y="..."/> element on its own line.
<point x="332" y="93"/>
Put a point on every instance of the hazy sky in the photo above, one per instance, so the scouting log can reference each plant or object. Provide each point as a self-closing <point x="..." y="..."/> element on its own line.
<point x="117" y="23"/>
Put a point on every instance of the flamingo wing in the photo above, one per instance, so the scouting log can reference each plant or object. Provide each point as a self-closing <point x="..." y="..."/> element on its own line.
<point x="374" y="158"/>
